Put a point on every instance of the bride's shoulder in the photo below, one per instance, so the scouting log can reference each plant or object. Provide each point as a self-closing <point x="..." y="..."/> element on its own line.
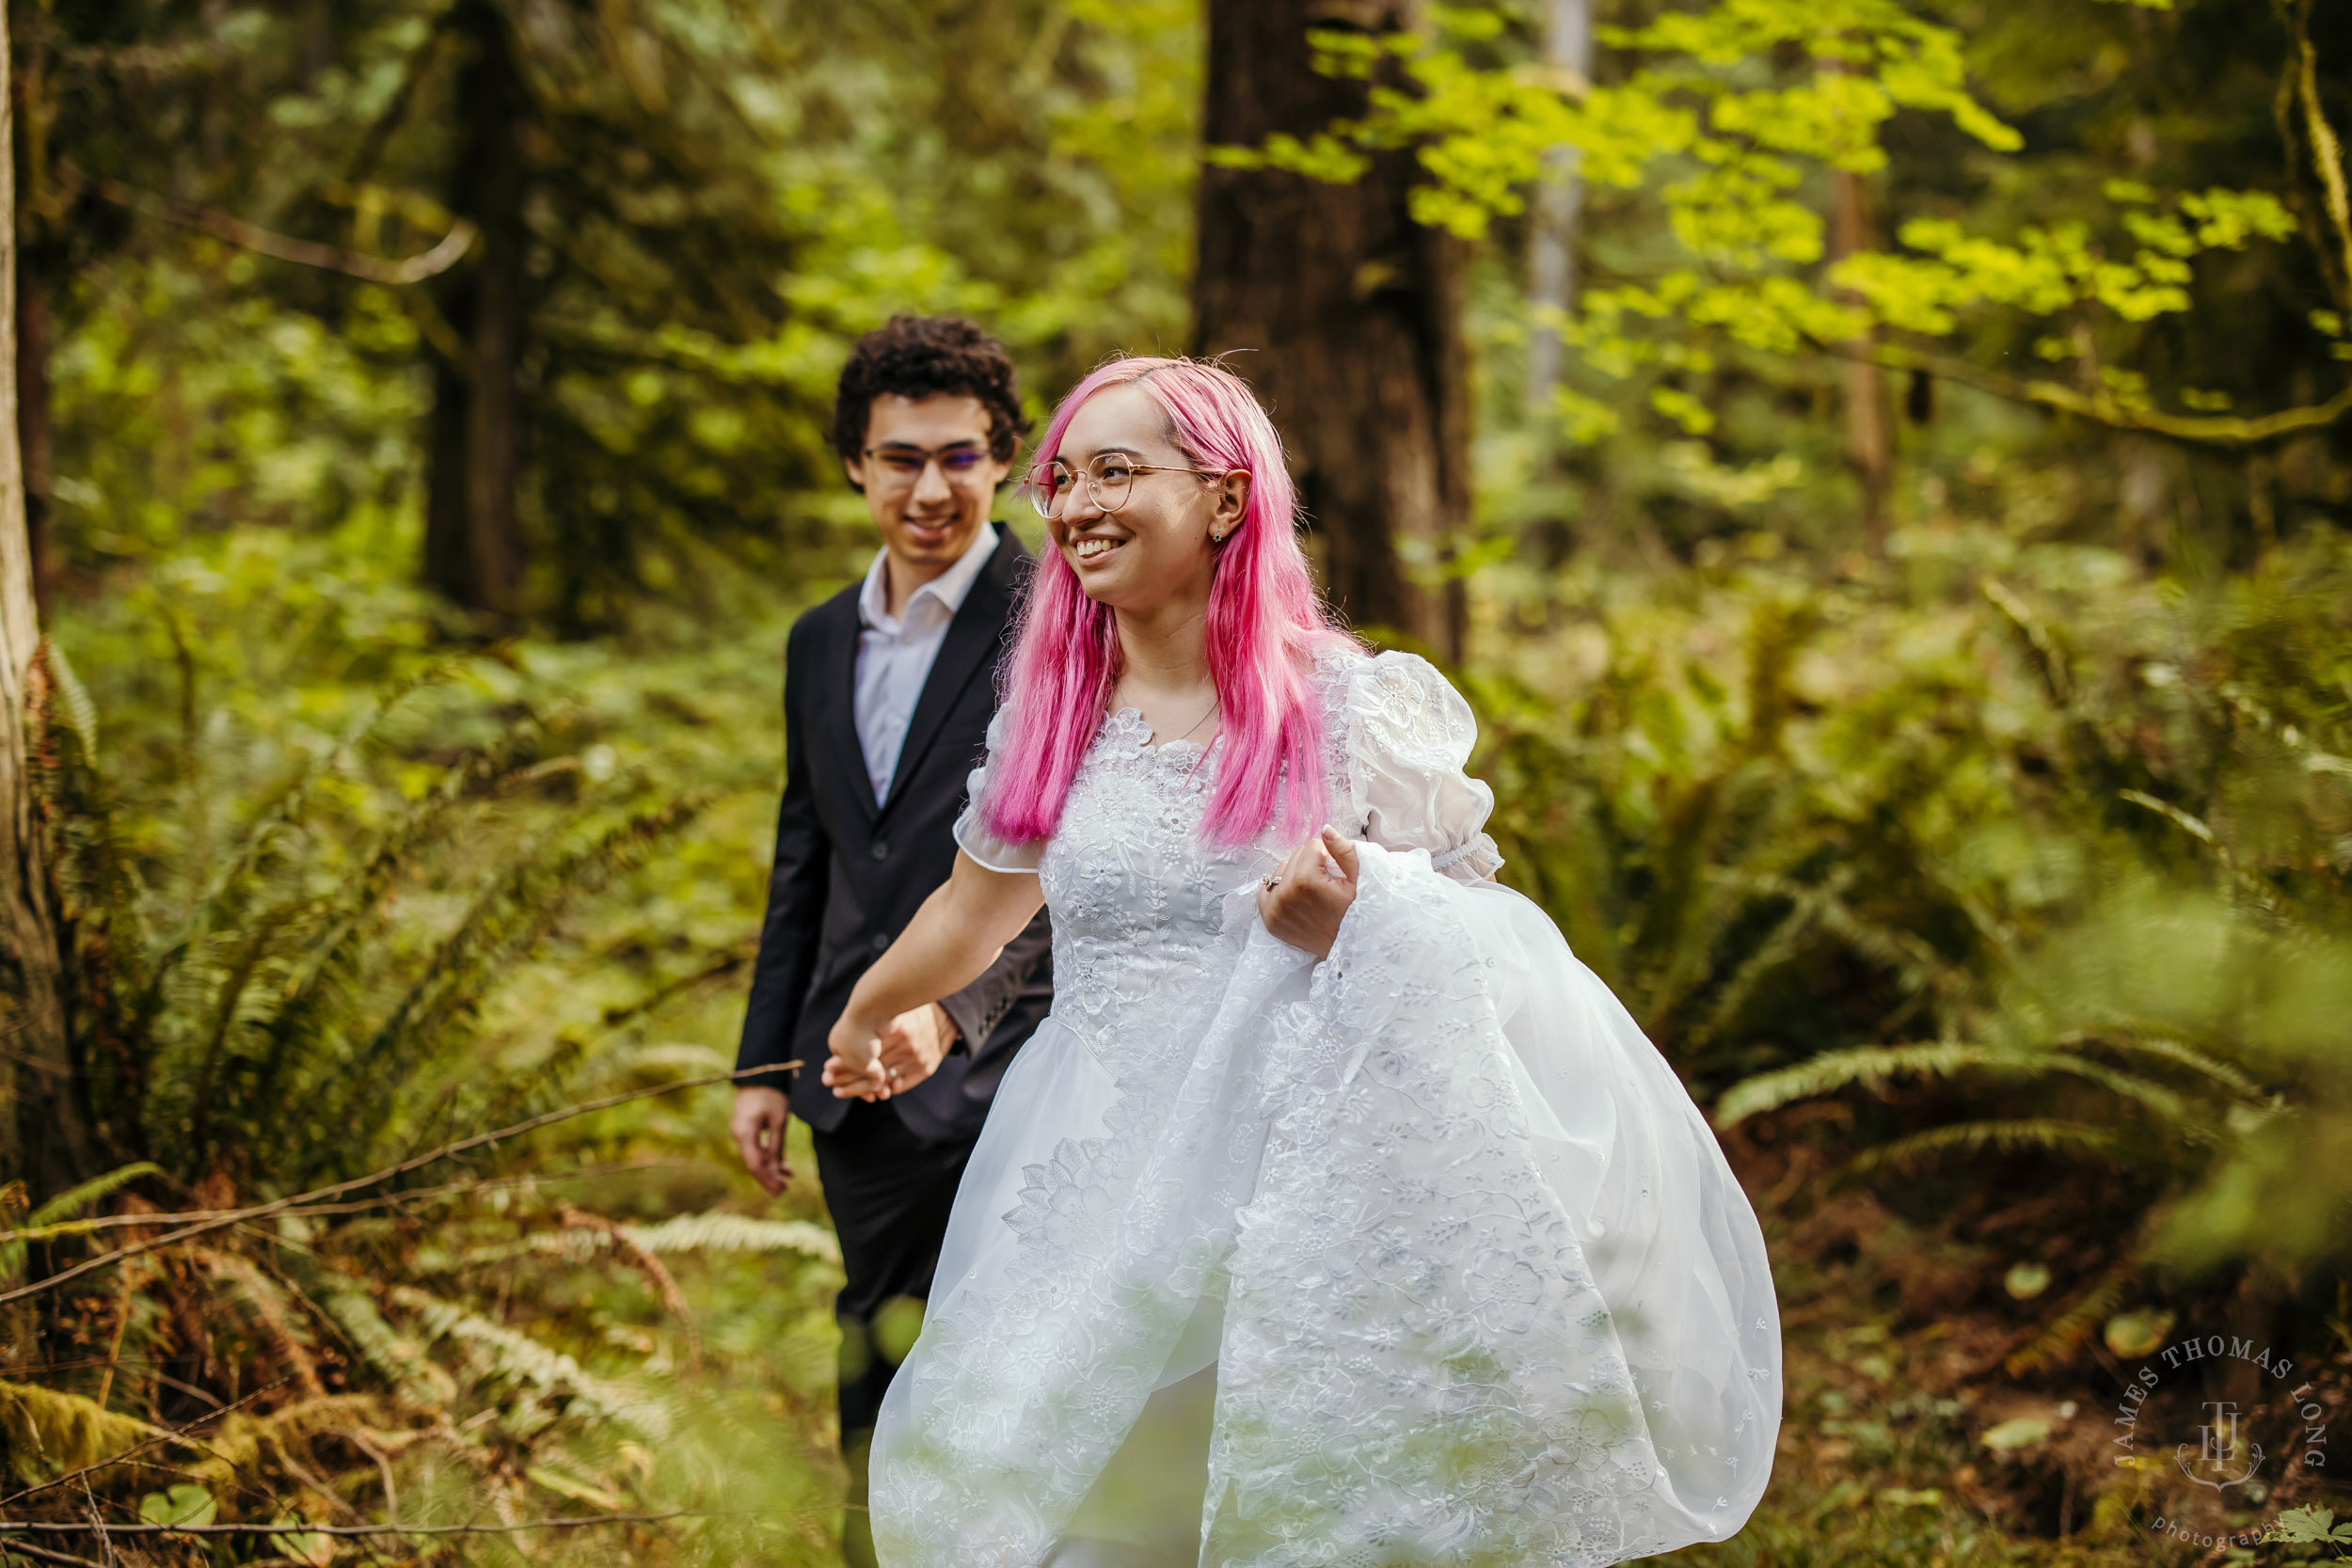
<point x="1390" y="700"/>
<point x="1349" y="676"/>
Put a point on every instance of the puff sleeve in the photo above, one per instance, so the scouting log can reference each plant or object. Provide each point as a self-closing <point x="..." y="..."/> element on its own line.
<point x="971" y="833"/>
<point x="1407" y="736"/>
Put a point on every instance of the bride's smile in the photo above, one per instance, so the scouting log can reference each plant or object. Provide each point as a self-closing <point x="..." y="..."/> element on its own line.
<point x="1137" y="519"/>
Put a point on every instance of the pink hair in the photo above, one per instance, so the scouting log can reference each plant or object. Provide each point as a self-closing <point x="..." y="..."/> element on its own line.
<point x="1265" y="623"/>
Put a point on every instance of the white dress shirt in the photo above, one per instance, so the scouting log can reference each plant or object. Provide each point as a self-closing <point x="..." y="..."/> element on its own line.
<point x="895" y="655"/>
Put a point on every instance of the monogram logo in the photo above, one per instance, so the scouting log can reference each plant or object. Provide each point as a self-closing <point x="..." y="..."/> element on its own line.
<point x="2222" y="1461"/>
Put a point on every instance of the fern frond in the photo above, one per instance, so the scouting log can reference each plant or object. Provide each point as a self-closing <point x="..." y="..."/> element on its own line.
<point x="507" y="920"/>
<point x="502" y="1352"/>
<point x="218" y="901"/>
<point x="273" y="1310"/>
<point x="73" y="701"/>
<point x="400" y="1361"/>
<point x="718" y="1231"/>
<point x="2062" y="1333"/>
<point x="2041" y="649"/>
<point x="54" y="1218"/>
<point x="2228" y="1074"/>
<point x="2013" y="1137"/>
<point x="1869" y="1065"/>
<point x="300" y="1023"/>
<point x="1783" y="945"/>
<point x="2169" y="1106"/>
<point x="1872" y="1065"/>
<point x="96" y="1190"/>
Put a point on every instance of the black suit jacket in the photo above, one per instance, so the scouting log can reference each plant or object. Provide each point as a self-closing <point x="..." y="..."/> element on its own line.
<point x="849" y="873"/>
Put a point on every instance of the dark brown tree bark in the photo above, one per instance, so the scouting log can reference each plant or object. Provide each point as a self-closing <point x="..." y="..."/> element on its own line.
<point x="41" y="1129"/>
<point x="1869" y="435"/>
<point x="1352" y="311"/>
<point x="33" y="439"/>
<point x="473" y="546"/>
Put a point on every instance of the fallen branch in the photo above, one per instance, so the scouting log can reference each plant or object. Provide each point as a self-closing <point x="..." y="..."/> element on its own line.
<point x="222" y="1219"/>
<point x="2204" y="430"/>
<point x="307" y="253"/>
<point x="352" y="1206"/>
<point x="42" y="1554"/>
<point x="66" y="1527"/>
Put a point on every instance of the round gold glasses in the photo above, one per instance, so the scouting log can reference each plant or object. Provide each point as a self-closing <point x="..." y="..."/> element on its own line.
<point x="1109" y="478"/>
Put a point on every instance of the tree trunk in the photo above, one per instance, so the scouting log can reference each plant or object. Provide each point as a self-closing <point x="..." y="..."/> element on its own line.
<point x="473" y="547"/>
<point x="1352" y="311"/>
<point x="1869" y="441"/>
<point x="40" y="1119"/>
<point x="1559" y="204"/>
<point x="32" y="429"/>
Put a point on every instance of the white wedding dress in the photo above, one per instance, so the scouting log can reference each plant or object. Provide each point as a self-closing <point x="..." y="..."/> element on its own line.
<point x="1466" y="1265"/>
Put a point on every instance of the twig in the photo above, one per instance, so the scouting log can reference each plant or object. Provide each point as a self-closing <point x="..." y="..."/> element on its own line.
<point x="359" y="1438"/>
<point x="106" y="1546"/>
<point x="665" y="1287"/>
<point x="223" y="1219"/>
<point x="308" y="253"/>
<point x="66" y="1527"/>
<point x="356" y="1206"/>
<point x="2207" y="430"/>
<point x="46" y="1554"/>
<point x="114" y="1349"/>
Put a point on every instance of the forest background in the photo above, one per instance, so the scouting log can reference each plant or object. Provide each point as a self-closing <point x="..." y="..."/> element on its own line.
<point x="1880" y="470"/>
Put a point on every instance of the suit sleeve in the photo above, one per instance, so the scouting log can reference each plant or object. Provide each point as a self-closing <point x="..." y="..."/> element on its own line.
<point x="789" y="935"/>
<point x="978" y="1007"/>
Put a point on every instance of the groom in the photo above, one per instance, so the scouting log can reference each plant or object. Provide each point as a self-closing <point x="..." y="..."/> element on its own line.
<point x="888" y="689"/>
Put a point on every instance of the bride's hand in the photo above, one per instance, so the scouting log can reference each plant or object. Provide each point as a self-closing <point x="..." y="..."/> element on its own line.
<point x="1303" y="902"/>
<point x="854" y="1072"/>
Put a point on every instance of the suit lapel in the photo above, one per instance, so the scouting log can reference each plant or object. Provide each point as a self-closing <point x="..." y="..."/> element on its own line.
<point x="967" y="654"/>
<point x="837" y="735"/>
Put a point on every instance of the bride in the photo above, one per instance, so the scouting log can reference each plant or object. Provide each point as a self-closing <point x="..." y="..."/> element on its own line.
<point x="1336" y="1196"/>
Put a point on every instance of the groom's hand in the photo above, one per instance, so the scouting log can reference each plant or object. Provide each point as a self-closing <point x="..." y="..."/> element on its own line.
<point x="914" y="1046"/>
<point x="757" y="1126"/>
<point x="907" y="1050"/>
<point x="1304" y="901"/>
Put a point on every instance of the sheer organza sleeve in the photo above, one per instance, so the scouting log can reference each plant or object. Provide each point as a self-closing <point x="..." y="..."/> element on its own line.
<point x="1408" y="736"/>
<point x="972" y="834"/>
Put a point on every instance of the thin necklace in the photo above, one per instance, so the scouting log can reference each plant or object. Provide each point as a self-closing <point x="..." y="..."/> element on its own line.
<point x="1198" y="722"/>
<point x="1195" y="724"/>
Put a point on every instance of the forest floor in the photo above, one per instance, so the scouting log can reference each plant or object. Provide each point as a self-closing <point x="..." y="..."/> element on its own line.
<point x="1904" y="1441"/>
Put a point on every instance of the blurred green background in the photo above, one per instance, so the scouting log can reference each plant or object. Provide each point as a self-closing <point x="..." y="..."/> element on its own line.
<point x="1881" y="471"/>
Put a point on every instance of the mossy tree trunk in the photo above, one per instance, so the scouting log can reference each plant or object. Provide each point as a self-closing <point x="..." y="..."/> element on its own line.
<point x="40" y="1118"/>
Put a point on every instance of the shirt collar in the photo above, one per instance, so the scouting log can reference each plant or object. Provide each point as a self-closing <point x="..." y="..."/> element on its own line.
<point x="950" y="588"/>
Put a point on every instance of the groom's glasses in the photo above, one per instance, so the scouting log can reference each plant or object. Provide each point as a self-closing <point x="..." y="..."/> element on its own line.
<point x="1109" y="479"/>
<point x="901" y="467"/>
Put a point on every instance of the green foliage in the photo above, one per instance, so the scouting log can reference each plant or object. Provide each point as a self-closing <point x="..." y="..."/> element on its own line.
<point x="321" y="922"/>
<point x="1716" y="146"/>
<point x="2010" y="861"/>
<point x="725" y="196"/>
<point x="2314" y="1525"/>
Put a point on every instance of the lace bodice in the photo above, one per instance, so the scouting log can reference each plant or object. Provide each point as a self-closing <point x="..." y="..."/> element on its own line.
<point x="1140" y="899"/>
<point x="1129" y="863"/>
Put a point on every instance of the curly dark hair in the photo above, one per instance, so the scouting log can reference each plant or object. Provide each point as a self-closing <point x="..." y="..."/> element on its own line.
<point x="921" y="356"/>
